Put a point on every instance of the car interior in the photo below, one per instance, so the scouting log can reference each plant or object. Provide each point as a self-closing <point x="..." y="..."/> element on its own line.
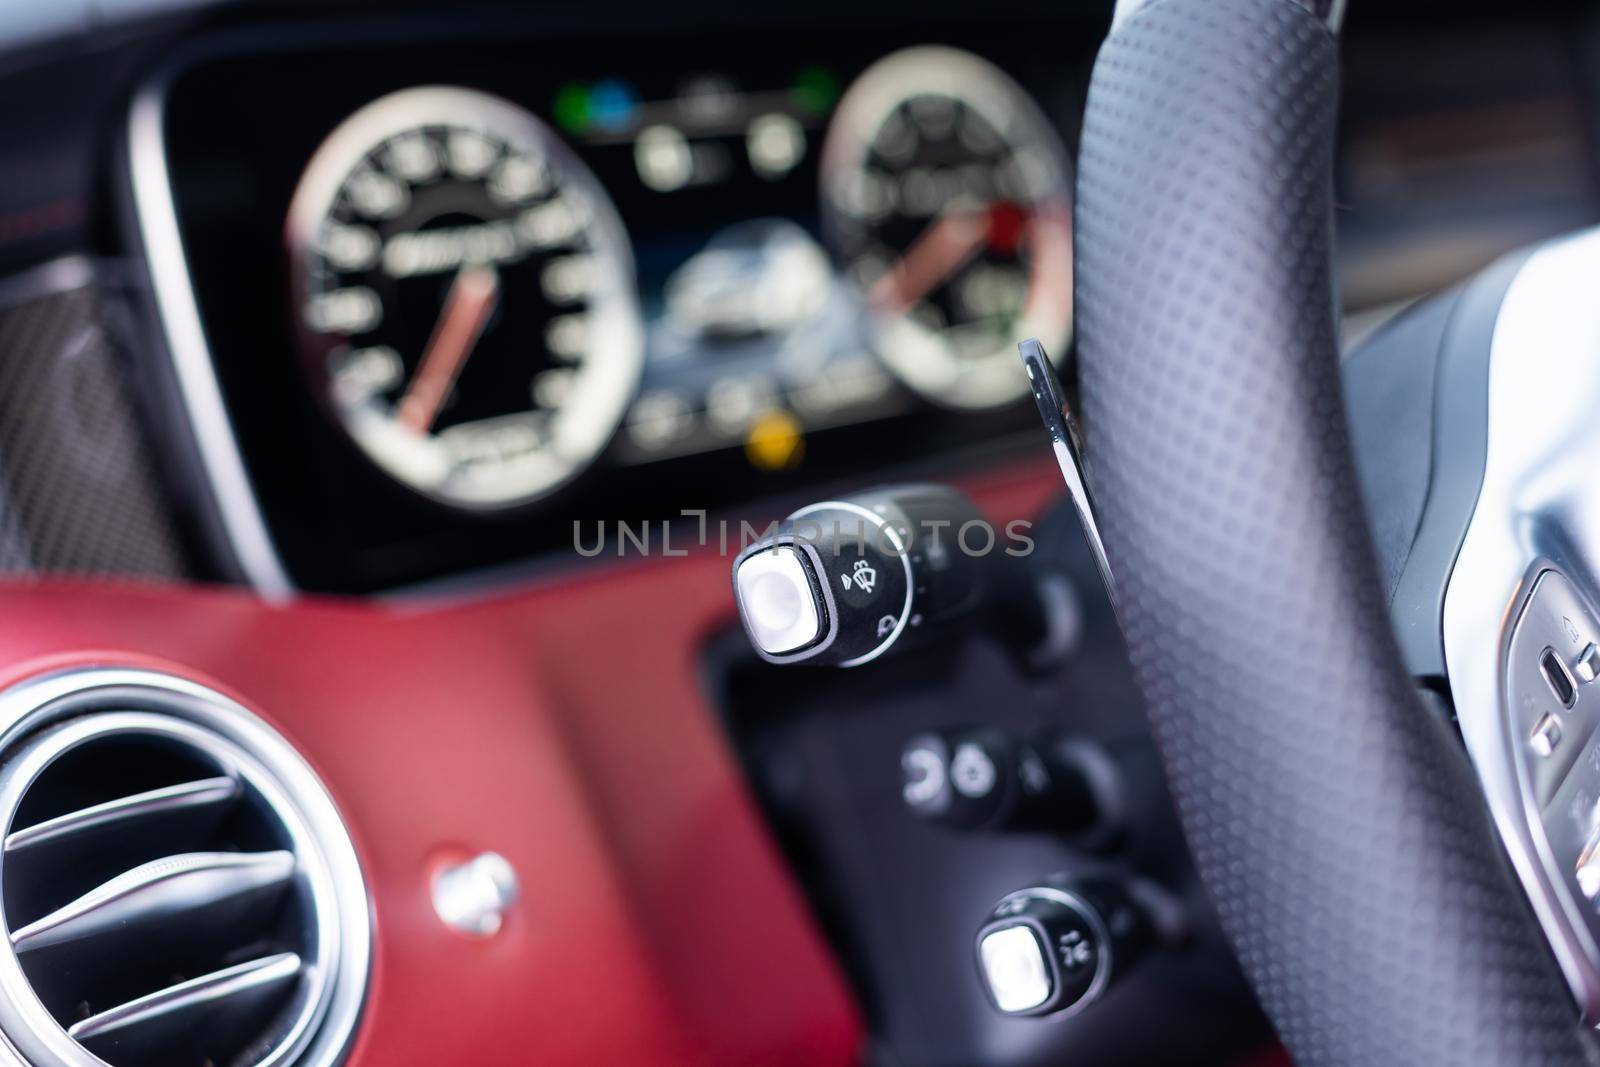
<point x="1023" y="534"/>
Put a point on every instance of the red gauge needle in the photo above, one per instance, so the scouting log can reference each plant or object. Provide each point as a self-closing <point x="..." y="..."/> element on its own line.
<point x="467" y="308"/>
<point x="938" y="252"/>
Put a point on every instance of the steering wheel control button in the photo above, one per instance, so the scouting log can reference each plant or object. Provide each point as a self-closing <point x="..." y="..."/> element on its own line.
<point x="1549" y="712"/>
<point x="778" y="600"/>
<point x="1053" y="949"/>
<point x="472" y="898"/>
<point x="1557" y="758"/>
<point x="1016" y="968"/>
<point x="1588" y="869"/>
<point x="1546" y="736"/>
<point x="1588" y="665"/>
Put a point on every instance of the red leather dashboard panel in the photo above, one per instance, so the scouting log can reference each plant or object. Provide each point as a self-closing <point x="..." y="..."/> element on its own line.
<point x="564" y="726"/>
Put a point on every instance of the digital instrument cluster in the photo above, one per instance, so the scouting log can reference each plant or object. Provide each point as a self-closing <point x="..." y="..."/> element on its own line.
<point x="459" y="289"/>
<point x="468" y="309"/>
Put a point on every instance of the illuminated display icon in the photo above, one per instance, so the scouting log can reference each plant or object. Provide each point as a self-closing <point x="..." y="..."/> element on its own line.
<point x="608" y="105"/>
<point x="815" y="89"/>
<point x="612" y="103"/>
<point x="775" y="442"/>
<point x="776" y="145"/>
<point x="664" y="158"/>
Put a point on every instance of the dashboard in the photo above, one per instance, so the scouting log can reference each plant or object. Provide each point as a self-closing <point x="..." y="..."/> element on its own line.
<point x="458" y="296"/>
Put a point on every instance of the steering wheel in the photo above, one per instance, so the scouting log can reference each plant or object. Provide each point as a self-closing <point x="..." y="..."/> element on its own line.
<point x="1336" y="817"/>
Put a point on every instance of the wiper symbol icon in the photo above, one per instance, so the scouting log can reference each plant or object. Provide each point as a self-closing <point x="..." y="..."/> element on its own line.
<point x="863" y="575"/>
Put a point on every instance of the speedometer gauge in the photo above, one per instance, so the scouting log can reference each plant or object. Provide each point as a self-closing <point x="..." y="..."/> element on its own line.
<point x="947" y="194"/>
<point x="465" y="296"/>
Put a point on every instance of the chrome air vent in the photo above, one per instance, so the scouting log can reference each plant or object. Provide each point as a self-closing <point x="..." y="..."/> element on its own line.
<point x="176" y="887"/>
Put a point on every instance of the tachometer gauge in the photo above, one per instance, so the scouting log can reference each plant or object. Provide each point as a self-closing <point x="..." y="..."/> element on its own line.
<point x="947" y="194"/>
<point x="465" y="295"/>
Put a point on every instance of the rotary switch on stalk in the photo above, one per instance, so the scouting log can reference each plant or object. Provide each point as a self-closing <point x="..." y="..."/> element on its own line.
<point x="1053" y="949"/>
<point x="842" y="582"/>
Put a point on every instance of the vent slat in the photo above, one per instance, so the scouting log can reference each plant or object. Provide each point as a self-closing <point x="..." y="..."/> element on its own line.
<point x="175" y="1008"/>
<point x="159" y="889"/>
<point x="206" y="792"/>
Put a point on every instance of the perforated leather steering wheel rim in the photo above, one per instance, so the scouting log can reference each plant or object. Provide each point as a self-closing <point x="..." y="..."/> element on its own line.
<point x="1333" y="815"/>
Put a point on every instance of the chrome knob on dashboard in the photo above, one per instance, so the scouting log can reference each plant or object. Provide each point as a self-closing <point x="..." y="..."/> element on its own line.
<point x="472" y="897"/>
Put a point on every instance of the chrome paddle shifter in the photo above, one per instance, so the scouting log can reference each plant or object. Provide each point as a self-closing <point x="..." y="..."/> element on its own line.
<point x="1067" y="441"/>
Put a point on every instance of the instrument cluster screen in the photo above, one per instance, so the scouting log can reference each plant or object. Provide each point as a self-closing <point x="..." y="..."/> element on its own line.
<point x="456" y="294"/>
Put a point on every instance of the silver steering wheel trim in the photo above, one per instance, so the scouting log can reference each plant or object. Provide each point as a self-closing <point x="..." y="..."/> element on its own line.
<point x="1535" y="528"/>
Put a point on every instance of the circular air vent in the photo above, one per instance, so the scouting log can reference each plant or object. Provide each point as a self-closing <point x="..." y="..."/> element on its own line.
<point x="176" y="887"/>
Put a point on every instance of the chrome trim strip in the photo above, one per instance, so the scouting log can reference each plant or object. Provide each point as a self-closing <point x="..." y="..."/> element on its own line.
<point x="242" y="521"/>
<point x="196" y="794"/>
<point x="159" y="888"/>
<point x="187" y="996"/>
<point x="1537" y="507"/>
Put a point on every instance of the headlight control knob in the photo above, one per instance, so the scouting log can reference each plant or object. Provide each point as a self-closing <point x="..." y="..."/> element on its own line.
<point x="1055" y="948"/>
